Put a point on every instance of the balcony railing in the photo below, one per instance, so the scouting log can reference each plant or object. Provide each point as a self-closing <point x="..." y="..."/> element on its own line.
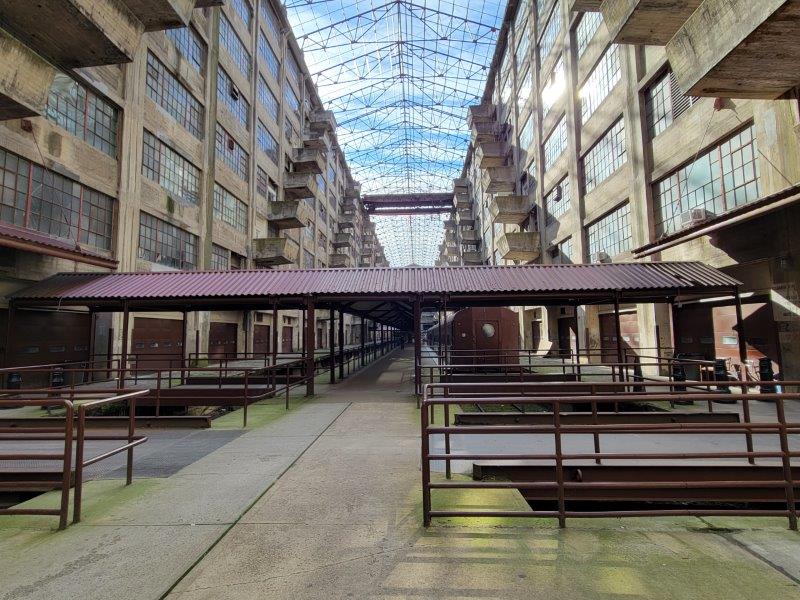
<point x="270" y="252"/>
<point x="511" y="210"/>
<point x="521" y="246"/>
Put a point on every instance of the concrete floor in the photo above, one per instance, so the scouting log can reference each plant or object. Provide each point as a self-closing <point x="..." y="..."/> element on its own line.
<point x="324" y="502"/>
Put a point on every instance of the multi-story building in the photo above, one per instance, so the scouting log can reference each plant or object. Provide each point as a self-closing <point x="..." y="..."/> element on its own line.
<point x="585" y="149"/>
<point x="203" y="146"/>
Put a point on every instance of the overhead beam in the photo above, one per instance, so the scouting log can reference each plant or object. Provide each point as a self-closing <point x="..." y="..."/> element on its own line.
<point x="405" y="204"/>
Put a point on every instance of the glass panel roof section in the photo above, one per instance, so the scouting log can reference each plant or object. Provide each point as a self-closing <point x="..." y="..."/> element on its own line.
<point x="399" y="76"/>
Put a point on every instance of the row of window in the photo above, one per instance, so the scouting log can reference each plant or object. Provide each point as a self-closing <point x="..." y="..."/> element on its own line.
<point x="229" y="209"/>
<point x="42" y="200"/>
<point x="174" y="173"/>
<point x="230" y="96"/>
<point x="231" y="153"/>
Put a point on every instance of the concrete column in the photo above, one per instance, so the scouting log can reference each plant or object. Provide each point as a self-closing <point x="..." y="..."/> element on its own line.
<point x="309" y="344"/>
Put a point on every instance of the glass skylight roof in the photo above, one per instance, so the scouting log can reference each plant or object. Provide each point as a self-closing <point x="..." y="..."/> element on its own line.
<point x="399" y="76"/>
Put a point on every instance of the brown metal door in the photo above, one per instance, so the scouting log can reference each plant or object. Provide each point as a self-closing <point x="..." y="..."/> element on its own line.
<point x="156" y="341"/>
<point x="261" y="339"/>
<point x="222" y="340"/>
<point x="565" y="336"/>
<point x="629" y="327"/>
<point x="536" y="334"/>
<point x="287" y="336"/>
<point x="759" y="332"/>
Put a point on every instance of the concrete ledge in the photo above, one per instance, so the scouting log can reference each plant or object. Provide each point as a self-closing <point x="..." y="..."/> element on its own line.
<point x="25" y="79"/>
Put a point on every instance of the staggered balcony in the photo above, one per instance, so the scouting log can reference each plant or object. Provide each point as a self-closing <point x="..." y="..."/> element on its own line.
<point x="271" y="252"/>
<point x="322" y="121"/>
<point x="491" y="154"/>
<point x="343" y="240"/>
<point x="488" y="131"/>
<point x="470" y="236"/>
<point x="299" y="185"/>
<point x="309" y="160"/>
<point x="510" y="210"/>
<point x="520" y="246"/>
<point x="289" y="214"/>
<point x="472" y="257"/>
<point x="500" y="180"/>
<point x="481" y="113"/>
<point x="347" y="220"/>
<point x="341" y="260"/>
<point x="652" y="22"/>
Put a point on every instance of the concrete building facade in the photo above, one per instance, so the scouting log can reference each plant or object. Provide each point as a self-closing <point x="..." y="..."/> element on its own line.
<point x="585" y="148"/>
<point x="207" y="147"/>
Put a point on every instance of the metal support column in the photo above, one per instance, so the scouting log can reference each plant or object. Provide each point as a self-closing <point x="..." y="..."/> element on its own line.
<point x="12" y="313"/>
<point x="417" y="346"/>
<point x="184" y="334"/>
<point x="123" y="364"/>
<point x="309" y="344"/>
<point x="618" y="330"/>
<point x="274" y="333"/>
<point x="740" y="333"/>
<point x="341" y="345"/>
<point x="332" y="344"/>
<point x="363" y="341"/>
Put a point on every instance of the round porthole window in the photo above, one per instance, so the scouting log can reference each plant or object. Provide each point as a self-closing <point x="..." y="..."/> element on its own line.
<point x="488" y="330"/>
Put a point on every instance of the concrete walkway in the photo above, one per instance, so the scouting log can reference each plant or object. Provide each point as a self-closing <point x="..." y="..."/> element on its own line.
<point x="324" y="502"/>
<point x="344" y="522"/>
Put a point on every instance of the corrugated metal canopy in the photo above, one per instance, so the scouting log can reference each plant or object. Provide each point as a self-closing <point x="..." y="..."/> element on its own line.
<point x="387" y="289"/>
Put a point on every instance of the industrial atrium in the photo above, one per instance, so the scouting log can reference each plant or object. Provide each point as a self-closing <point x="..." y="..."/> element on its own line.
<point x="407" y="299"/>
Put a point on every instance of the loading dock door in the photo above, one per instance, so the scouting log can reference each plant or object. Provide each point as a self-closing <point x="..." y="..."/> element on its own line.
<point x="287" y="335"/>
<point x="156" y="341"/>
<point x="261" y="339"/>
<point x="222" y="340"/>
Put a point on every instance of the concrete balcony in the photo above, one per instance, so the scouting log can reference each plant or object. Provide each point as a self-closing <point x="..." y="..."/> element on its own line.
<point x="470" y="236"/>
<point x="343" y="240"/>
<point x="490" y="154"/>
<point x="347" y="220"/>
<point x="353" y="191"/>
<point x="316" y="140"/>
<point x="308" y="160"/>
<point x="450" y="235"/>
<point x="522" y="246"/>
<point x="461" y="185"/>
<point x="652" y="22"/>
<point x="500" y="180"/>
<point x="75" y="33"/>
<point x="473" y="257"/>
<point x="463" y="201"/>
<point x="585" y="5"/>
<point x="161" y="14"/>
<point x="209" y="3"/>
<point x="271" y="252"/>
<point x="465" y="217"/>
<point x="738" y="49"/>
<point x="299" y="185"/>
<point x="289" y="214"/>
<point x="481" y="113"/>
<point x="322" y="121"/>
<point x="25" y="79"/>
<point x="512" y="210"/>
<point x="340" y="260"/>
<point x="487" y="131"/>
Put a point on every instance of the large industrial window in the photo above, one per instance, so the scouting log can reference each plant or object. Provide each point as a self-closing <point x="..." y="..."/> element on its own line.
<point x="523" y="45"/>
<point x="550" y="35"/>
<point x="588" y="26"/>
<point x="230" y="96"/>
<point x="37" y="198"/>
<point x="163" y="243"/>
<point x="235" y="47"/>
<point x="189" y="43"/>
<point x="524" y="90"/>
<point x="724" y="177"/>
<point x="220" y="258"/>
<point x="602" y="80"/>
<point x="611" y="234"/>
<point x="166" y="91"/>
<point x="267" y="143"/>
<point x="268" y="55"/>
<point x="170" y="170"/>
<point x="292" y="101"/>
<point x="242" y="8"/>
<point x="555" y="144"/>
<point x="557" y="202"/>
<point x="83" y="113"/>
<point x="664" y="102"/>
<point x="526" y="134"/>
<point x="293" y="69"/>
<point x="271" y="19"/>
<point x="564" y="252"/>
<point x="267" y="99"/>
<point x="262" y="182"/>
<point x="605" y="157"/>
<point x="231" y="153"/>
<point x="229" y="209"/>
<point x="554" y="86"/>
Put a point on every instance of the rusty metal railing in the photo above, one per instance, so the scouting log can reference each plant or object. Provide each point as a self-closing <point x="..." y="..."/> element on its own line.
<point x="558" y="459"/>
<point x="73" y="434"/>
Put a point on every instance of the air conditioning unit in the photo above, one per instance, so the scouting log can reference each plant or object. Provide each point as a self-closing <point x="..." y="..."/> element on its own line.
<point x="694" y="216"/>
<point x="600" y="257"/>
<point x="552" y="250"/>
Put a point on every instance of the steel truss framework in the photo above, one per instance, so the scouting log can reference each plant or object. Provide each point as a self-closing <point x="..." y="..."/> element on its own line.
<point x="399" y="76"/>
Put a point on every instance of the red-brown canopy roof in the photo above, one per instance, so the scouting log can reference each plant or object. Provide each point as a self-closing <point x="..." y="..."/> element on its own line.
<point x="364" y="289"/>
